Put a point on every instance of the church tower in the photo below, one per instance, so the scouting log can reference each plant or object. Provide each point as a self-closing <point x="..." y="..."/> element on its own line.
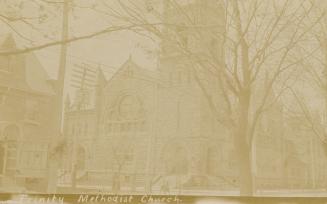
<point x="193" y="29"/>
<point x="192" y="37"/>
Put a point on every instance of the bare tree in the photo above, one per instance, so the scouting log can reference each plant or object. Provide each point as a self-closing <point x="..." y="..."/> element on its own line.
<point x="252" y="49"/>
<point x="256" y="57"/>
<point x="38" y="23"/>
<point x="314" y="76"/>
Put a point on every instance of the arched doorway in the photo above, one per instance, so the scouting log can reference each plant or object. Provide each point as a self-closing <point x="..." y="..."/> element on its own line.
<point x="175" y="160"/>
<point x="176" y="166"/>
<point x="10" y="149"/>
<point x="212" y="161"/>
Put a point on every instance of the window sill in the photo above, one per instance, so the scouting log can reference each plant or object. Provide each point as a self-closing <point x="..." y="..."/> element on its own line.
<point x="32" y="122"/>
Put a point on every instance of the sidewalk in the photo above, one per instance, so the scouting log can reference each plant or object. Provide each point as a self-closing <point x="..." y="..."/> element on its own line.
<point x="259" y="193"/>
<point x="294" y="193"/>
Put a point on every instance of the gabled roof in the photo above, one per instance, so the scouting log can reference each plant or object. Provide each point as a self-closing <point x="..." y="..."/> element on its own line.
<point x="138" y="72"/>
<point x="36" y="78"/>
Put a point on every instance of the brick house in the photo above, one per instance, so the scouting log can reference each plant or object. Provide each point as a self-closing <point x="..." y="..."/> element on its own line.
<point x="26" y="101"/>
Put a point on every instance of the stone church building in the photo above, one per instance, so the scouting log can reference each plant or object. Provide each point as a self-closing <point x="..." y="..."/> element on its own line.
<point x="146" y="131"/>
<point x="152" y="128"/>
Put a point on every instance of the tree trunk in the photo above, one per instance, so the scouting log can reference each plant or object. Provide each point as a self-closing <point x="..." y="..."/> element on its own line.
<point x="243" y="147"/>
<point x="245" y="175"/>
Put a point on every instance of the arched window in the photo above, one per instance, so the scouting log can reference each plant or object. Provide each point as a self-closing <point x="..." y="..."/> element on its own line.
<point x="80" y="159"/>
<point x="11" y="135"/>
<point x="85" y="129"/>
<point x="212" y="161"/>
<point x="129" y="107"/>
<point x="109" y="128"/>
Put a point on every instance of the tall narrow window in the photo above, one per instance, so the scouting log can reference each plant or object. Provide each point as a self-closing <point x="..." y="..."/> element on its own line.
<point x="214" y="47"/>
<point x="109" y="128"/>
<point x="2" y="157"/>
<point x="85" y="129"/>
<point x="80" y="160"/>
<point x="32" y="112"/>
<point x="180" y="77"/>
<point x="171" y="78"/>
<point x="5" y="63"/>
<point x="73" y="129"/>
<point x="11" y="134"/>
<point x="212" y="161"/>
<point x="189" y="77"/>
<point x="129" y="127"/>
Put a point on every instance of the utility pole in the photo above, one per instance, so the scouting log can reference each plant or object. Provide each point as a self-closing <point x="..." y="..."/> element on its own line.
<point x="54" y="157"/>
<point x="83" y="78"/>
<point x="313" y="162"/>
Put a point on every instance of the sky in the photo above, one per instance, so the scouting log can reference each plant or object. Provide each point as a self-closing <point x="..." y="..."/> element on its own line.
<point x="109" y="50"/>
